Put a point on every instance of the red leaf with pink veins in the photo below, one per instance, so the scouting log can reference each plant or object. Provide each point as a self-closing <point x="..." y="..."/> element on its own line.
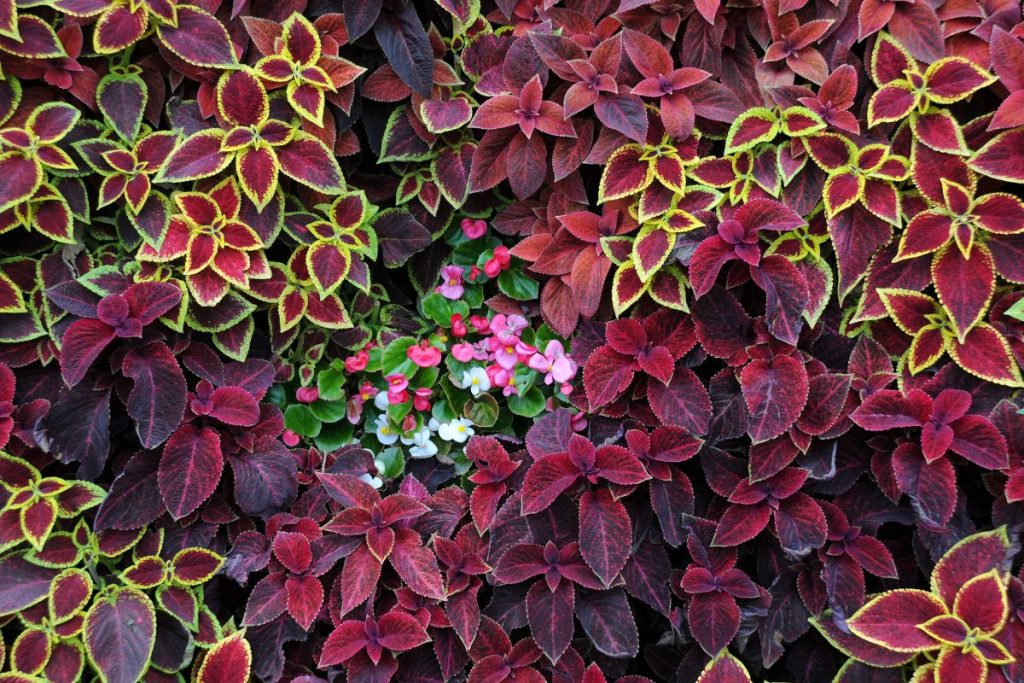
<point x="683" y="402"/>
<point x="416" y="565"/>
<point x="606" y="376"/>
<point x="550" y="616"/>
<point x="775" y="392"/>
<point x="605" y="533"/>
<point x="190" y="469"/>
<point x="714" y="619"/>
<point x="305" y="598"/>
<point x="978" y="440"/>
<point x="234" y="406"/>
<point x="546" y="480"/>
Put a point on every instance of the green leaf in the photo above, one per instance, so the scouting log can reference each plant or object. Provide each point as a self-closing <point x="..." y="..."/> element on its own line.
<point x="331" y="384"/>
<point x="301" y="420"/>
<point x="482" y="410"/>
<point x="393" y="460"/>
<point x="334" y="436"/>
<point x="530" y="404"/>
<point x="440" y="310"/>
<point x="394" y="359"/>
<point x="1016" y="311"/>
<point x="328" y="411"/>
<point x="516" y="285"/>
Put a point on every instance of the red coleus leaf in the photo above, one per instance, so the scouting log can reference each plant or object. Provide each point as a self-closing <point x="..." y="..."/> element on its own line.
<point x="892" y="618"/>
<point x="775" y="392"/>
<point x="190" y="468"/>
<point x="394" y="632"/>
<point x="229" y="660"/>
<point x="605" y="533"/>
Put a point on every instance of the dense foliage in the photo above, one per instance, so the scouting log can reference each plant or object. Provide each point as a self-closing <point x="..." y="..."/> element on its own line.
<point x="511" y="340"/>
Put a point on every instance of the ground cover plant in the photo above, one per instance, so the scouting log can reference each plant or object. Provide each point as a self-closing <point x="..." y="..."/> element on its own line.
<point x="596" y="341"/>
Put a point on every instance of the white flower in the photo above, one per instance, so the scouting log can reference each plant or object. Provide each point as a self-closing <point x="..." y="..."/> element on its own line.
<point x="386" y="434"/>
<point x="422" y="446"/>
<point x="375" y="482"/>
<point x="433" y="424"/>
<point x="476" y="379"/>
<point x="458" y="430"/>
<point x="380" y="401"/>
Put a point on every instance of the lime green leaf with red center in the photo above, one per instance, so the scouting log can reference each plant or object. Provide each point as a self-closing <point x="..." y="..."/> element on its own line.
<point x="194" y="566"/>
<point x="970" y="557"/>
<point x="985" y="353"/>
<point x="801" y="121"/>
<point x="199" y="38"/>
<point x="890" y="61"/>
<point x="120" y="632"/>
<point x="441" y="116"/>
<point x="198" y="156"/>
<point x="982" y="603"/>
<point x="37" y="518"/>
<point x="843" y="189"/>
<point x="22" y="177"/>
<point x="1002" y="157"/>
<point x="892" y="619"/>
<point x="911" y="311"/>
<point x="753" y="126"/>
<point x="257" y="174"/>
<point x="627" y="286"/>
<point x="121" y="97"/>
<point x="892" y="102"/>
<point x="724" y="668"/>
<point x="328" y="264"/>
<point x="964" y="285"/>
<point x="940" y="131"/>
<point x="651" y="248"/>
<point x="69" y="593"/>
<point x="952" y="79"/>
<point x="625" y="173"/>
<point x="228" y="661"/>
<point x="119" y="27"/>
<point x="36" y="39"/>
<point x="307" y="160"/>
<point x="50" y="122"/>
<point x="831" y="151"/>
<point x="242" y="99"/>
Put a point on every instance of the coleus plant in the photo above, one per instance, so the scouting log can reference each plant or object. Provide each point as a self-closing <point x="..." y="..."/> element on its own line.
<point x="964" y="620"/>
<point x="722" y="380"/>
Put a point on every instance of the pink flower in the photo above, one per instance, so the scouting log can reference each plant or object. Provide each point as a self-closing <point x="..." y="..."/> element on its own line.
<point x="556" y="366"/>
<point x="473" y="229"/>
<point x="398" y="397"/>
<point x="367" y="391"/>
<point x="451" y="283"/>
<point x="503" y="378"/>
<point x="290" y="438"/>
<point x="499" y="262"/>
<point x="424" y="354"/>
<point x="421" y="399"/>
<point x="480" y="323"/>
<point x="357" y="362"/>
<point x="463" y="352"/>
<point x="504" y="347"/>
<point x="397" y="382"/>
<point x="307" y="394"/>
<point x="458" y="327"/>
<point x="512" y="324"/>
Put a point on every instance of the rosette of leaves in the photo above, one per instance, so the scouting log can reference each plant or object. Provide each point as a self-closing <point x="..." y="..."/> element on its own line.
<point x="73" y="590"/>
<point x="29" y="154"/>
<point x="963" y="622"/>
<point x="260" y="145"/>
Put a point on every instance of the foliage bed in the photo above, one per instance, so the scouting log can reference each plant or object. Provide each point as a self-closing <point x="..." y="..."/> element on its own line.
<point x="511" y="340"/>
